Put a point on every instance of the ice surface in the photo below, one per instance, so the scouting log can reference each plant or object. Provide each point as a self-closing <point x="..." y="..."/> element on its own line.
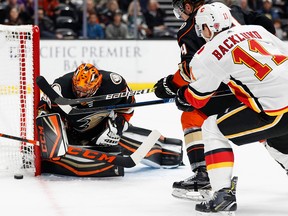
<point x="143" y="191"/>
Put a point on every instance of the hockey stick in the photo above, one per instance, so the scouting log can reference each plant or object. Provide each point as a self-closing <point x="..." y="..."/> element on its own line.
<point x="222" y="94"/>
<point x="54" y="144"/>
<point x="19" y="139"/>
<point x="118" y="160"/>
<point x="76" y="111"/>
<point x="69" y="110"/>
<point x="54" y="96"/>
<point x="125" y="161"/>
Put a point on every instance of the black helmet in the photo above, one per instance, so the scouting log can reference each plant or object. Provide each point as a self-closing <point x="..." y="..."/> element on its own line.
<point x="178" y="6"/>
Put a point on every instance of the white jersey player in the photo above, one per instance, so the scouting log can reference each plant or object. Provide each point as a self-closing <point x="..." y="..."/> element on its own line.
<point x="253" y="63"/>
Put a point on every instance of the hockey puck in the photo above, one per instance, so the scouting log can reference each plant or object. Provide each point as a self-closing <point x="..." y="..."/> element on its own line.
<point x="18" y="176"/>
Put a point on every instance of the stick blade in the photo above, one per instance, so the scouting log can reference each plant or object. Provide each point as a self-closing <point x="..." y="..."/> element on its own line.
<point x="145" y="147"/>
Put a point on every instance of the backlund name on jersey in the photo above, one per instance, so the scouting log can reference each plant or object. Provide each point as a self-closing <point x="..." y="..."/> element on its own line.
<point x="231" y="41"/>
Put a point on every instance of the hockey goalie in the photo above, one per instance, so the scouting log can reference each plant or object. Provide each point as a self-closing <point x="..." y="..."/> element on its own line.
<point x="105" y="130"/>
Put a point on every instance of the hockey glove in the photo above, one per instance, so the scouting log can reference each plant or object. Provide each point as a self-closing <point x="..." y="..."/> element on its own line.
<point x="164" y="88"/>
<point x="109" y="136"/>
<point x="181" y="102"/>
<point x="121" y="124"/>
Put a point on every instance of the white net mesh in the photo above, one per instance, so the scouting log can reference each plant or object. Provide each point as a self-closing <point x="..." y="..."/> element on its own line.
<point x="16" y="98"/>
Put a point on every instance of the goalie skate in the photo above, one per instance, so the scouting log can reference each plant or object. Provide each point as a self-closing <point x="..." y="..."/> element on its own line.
<point x="195" y="188"/>
<point x="223" y="202"/>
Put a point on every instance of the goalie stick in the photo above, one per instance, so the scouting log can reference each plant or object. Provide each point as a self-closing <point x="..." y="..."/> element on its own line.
<point x="119" y="160"/>
<point x="54" y="143"/>
<point x="54" y="96"/>
<point x="124" y="161"/>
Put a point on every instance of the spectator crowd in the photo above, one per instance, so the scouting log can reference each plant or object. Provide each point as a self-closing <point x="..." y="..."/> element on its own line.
<point x="116" y="19"/>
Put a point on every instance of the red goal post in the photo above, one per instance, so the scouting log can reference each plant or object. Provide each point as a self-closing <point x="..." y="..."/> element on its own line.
<point x="19" y="97"/>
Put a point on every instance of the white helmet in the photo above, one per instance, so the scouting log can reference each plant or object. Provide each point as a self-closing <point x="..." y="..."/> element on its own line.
<point x="216" y="16"/>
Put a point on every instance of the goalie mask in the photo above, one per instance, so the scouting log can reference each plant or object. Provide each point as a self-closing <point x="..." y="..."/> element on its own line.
<point x="86" y="80"/>
<point x="179" y="6"/>
<point x="216" y="16"/>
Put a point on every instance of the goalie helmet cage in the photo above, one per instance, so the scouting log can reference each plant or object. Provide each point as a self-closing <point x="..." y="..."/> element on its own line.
<point x="19" y="97"/>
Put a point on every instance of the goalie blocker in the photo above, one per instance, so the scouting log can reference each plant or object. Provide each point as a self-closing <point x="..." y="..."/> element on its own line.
<point x="94" y="161"/>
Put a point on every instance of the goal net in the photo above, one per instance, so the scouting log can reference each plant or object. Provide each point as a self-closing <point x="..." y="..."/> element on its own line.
<point x="19" y="96"/>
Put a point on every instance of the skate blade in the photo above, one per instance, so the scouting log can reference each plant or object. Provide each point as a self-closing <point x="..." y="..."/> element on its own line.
<point x="195" y="196"/>
<point x="222" y="213"/>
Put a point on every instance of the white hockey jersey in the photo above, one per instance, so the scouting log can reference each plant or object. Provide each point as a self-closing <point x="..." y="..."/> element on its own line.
<point x="251" y="61"/>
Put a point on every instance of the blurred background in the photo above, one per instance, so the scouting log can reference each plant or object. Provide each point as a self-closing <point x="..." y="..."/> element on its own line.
<point x="117" y="19"/>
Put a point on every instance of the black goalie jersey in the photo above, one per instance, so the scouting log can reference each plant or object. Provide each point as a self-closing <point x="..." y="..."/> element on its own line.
<point x="83" y="127"/>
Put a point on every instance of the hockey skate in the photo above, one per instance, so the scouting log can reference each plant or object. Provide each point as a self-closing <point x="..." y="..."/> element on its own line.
<point x="195" y="188"/>
<point x="223" y="202"/>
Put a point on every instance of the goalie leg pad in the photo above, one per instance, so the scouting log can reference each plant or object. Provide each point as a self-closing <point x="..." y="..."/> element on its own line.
<point x="69" y="165"/>
<point x="52" y="135"/>
<point x="166" y="153"/>
<point x="154" y="157"/>
<point x="172" y="152"/>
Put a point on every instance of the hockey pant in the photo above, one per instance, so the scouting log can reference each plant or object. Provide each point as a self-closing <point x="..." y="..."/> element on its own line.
<point x="192" y="122"/>
<point x="241" y="125"/>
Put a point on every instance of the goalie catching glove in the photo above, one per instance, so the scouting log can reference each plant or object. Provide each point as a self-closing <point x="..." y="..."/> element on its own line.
<point x="181" y="102"/>
<point x="164" y="88"/>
